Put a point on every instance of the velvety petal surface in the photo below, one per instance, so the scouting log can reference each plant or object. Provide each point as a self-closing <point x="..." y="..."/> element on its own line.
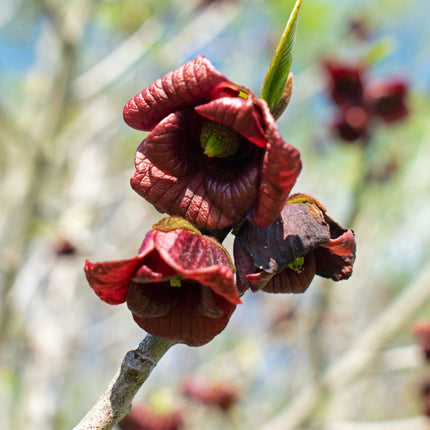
<point x="280" y="168"/>
<point x="293" y="281"/>
<point x="185" y="323"/>
<point x="233" y="187"/>
<point x="336" y="258"/>
<point x="243" y="115"/>
<point x="186" y="86"/>
<point x="186" y="196"/>
<point x="171" y="149"/>
<point x="110" y="279"/>
<point x="151" y="300"/>
<point x="199" y="258"/>
<point x="299" y="229"/>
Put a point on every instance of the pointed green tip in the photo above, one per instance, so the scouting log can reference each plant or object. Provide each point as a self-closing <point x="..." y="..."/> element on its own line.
<point x="276" y="77"/>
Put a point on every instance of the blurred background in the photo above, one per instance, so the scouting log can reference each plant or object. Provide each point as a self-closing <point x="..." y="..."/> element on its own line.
<point x="342" y="356"/>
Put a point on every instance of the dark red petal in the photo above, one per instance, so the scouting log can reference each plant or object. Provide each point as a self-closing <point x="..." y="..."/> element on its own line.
<point x="153" y="300"/>
<point x="242" y="115"/>
<point x="244" y="266"/>
<point x="335" y="259"/>
<point x="171" y="148"/>
<point x="343" y="245"/>
<point x="206" y="304"/>
<point x="345" y="82"/>
<point x="299" y="229"/>
<point x="234" y="186"/>
<point x="188" y="85"/>
<point x="291" y="281"/>
<point x="280" y="168"/>
<point x="199" y="258"/>
<point x="185" y="324"/>
<point x="110" y="279"/>
<point x="186" y="197"/>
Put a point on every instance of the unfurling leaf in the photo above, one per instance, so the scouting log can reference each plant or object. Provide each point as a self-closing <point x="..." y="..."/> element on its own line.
<point x="276" y="77"/>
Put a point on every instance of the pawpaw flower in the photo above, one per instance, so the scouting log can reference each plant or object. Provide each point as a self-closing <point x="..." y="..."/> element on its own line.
<point x="214" y="154"/>
<point x="217" y="394"/>
<point x="386" y="99"/>
<point x="302" y="242"/>
<point x="180" y="285"/>
<point x="351" y="123"/>
<point x="345" y="82"/>
<point x="143" y="417"/>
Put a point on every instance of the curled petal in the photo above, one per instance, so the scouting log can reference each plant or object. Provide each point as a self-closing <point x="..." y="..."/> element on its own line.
<point x="242" y="115"/>
<point x="233" y="189"/>
<point x="292" y="281"/>
<point x="185" y="323"/>
<point x="336" y="258"/>
<point x="281" y="166"/>
<point x="299" y="229"/>
<point x="343" y="245"/>
<point x="152" y="300"/>
<point x="185" y="86"/>
<point x="206" y="304"/>
<point x="201" y="259"/>
<point x="110" y="279"/>
<point x="170" y="149"/>
<point x="186" y="197"/>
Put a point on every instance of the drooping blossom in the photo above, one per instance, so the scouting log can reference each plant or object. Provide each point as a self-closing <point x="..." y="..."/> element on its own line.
<point x="214" y="154"/>
<point x="361" y="101"/>
<point x="345" y="82"/>
<point x="351" y="123"/>
<point x="220" y="395"/>
<point x="387" y="99"/>
<point x="142" y="417"/>
<point x="302" y="242"/>
<point x="180" y="285"/>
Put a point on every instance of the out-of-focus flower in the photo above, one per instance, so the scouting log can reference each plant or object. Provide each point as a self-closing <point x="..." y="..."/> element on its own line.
<point x="284" y="257"/>
<point x="421" y="331"/>
<point x="142" y="417"/>
<point x="214" y="154"/>
<point x="351" y="123"/>
<point x="345" y="82"/>
<point x="65" y="247"/>
<point x="361" y="101"/>
<point x="218" y="395"/>
<point x="180" y="286"/>
<point x="386" y="99"/>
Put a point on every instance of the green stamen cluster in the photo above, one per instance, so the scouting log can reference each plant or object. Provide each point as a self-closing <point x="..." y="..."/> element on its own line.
<point x="175" y="282"/>
<point x="297" y="264"/>
<point x="218" y="140"/>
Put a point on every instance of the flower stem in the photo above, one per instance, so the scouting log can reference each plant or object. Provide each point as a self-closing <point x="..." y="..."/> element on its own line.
<point x="115" y="402"/>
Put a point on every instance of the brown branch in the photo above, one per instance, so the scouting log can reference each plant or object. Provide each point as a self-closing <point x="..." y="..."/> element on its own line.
<point x="135" y="368"/>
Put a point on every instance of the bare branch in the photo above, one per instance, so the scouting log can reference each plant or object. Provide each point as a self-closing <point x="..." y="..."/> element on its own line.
<point x="135" y="368"/>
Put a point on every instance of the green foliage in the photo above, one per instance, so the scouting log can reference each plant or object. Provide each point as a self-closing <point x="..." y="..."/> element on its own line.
<point x="276" y="77"/>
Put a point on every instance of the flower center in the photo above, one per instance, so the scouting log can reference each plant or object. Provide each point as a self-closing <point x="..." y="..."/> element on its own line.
<point x="218" y="140"/>
<point x="176" y="282"/>
<point x="297" y="264"/>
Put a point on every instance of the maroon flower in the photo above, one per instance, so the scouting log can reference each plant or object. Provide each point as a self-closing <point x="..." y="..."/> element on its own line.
<point x="345" y="82"/>
<point x="145" y="418"/>
<point x="219" y="395"/>
<point x="351" y="123"/>
<point x="386" y="99"/>
<point x="213" y="154"/>
<point x="302" y="242"/>
<point x="180" y="286"/>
